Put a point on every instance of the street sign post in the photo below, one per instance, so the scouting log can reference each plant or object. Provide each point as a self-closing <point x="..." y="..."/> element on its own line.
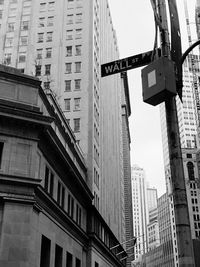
<point x="126" y="64"/>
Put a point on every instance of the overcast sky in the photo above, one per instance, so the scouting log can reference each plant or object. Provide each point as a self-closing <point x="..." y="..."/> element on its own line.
<point x="134" y="24"/>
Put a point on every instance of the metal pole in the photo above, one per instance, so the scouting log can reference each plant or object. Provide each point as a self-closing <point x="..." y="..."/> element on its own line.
<point x="184" y="240"/>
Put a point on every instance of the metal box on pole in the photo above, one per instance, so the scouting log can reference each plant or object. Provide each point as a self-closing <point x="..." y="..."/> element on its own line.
<point x="158" y="81"/>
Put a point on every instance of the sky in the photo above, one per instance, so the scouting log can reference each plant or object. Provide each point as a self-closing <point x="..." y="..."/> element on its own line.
<point x="134" y="24"/>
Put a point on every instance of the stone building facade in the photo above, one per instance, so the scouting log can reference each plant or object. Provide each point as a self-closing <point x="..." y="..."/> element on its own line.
<point x="46" y="212"/>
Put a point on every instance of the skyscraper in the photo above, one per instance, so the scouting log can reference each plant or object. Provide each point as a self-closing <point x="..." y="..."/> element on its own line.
<point x="64" y="43"/>
<point x="140" y="209"/>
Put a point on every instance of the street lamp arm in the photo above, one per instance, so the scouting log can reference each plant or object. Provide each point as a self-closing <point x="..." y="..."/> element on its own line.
<point x="188" y="51"/>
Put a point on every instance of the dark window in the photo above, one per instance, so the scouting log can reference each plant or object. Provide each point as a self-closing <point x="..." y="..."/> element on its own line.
<point x="45" y="252"/>
<point x="76" y="125"/>
<point x="49" y="181"/>
<point x="190" y="167"/>
<point x="46" y="181"/>
<point x="51" y="184"/>
<point x="96" y="264"/>
<point x="69" y="260"/>
<point x="78" y="263"/>
<point x="46" y="85"/>
<point x="189" y="156"/>
<point x="68" y="85"/>
<point x="78" y="214"/>
<point x="70" y="208"/>
<point x="63" y="198"/>
<point x="38" y="70"/>
<point x="58" y="256"/>
<point x="48" y="69"/>
<point x="1" y="152"/>
<point x="58" y="192"/>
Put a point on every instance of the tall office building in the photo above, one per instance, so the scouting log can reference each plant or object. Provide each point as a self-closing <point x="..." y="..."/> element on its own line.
<point x="64" y="44"/>
<point x="162" y="254"/>
<point x="152" y="227"/>
<point x="140" y="209"/>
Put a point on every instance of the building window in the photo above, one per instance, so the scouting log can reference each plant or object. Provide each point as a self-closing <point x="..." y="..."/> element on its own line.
<point x="70" y="19"/>
<point x="77" y="66"/>
<point x="48" y="69"/>
<point x="49" y="36"/>
<point x="40" y="37"/>
<point x="21" y="70"/>
<point x="77" y="102"/>
<point x="1" y="2"/>
<point x="61" y="195"/>
<point x="58" y="256"/>
<point x="69" y="34"/>
<point x="69" y="260"/>
<point x="78" y="263"/>
<point x="42" y="7"/>
<point x="67" y="104"/>
<point x="11" y="26"/>
<point x="9" y="42"/>
<point x="7" y="59"/>
<point x="1" y="14"/>
<point x="46" y="85"/>
<point x="69" y="51"/>
<point x="51" y="6"/>
<point x="190" y="168"/>
<point x="38" y="70"/>
<point x="79" y="18"/>
<point x="45" y="252"/>
<point x="49" y="181"/>
<point x="24" y="25"/>
<point x="77" y="125"/>
<point x="41" y="22"/>
<point x="12" y="12"/>
<point x="68" y="85"/>
<point x="78" y="214"/>
<point x="22" y="57"/>
<point x="78" y="84"/>
<point x="39" y="54"/>
<point x="48" y="52"/>
<point x="78" y="33"/>
<point x="26" y="10"/>
<point x="50" y="21"/>
<point x="78" y="50"/>
<point x="1" y="153"/>
<point x="68" y="67"/>
<point x="24" y="40"/>
<point x="70" y="207"/>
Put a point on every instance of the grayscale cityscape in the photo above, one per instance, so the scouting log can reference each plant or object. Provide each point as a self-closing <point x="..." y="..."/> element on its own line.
<point x="99" y="133"/>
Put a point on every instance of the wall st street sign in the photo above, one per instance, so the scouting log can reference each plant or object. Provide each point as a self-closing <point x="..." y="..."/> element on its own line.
<point x="126" y="64"/>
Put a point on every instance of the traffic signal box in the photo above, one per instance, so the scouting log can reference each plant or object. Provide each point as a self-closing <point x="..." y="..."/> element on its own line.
<point x="158" y="81"/>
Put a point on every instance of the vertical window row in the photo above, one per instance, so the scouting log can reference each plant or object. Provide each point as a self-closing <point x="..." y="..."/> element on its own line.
<point x="49" y="183"/>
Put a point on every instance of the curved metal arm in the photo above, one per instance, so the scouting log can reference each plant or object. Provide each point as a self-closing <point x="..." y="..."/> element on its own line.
<point x="188" y="51"/>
